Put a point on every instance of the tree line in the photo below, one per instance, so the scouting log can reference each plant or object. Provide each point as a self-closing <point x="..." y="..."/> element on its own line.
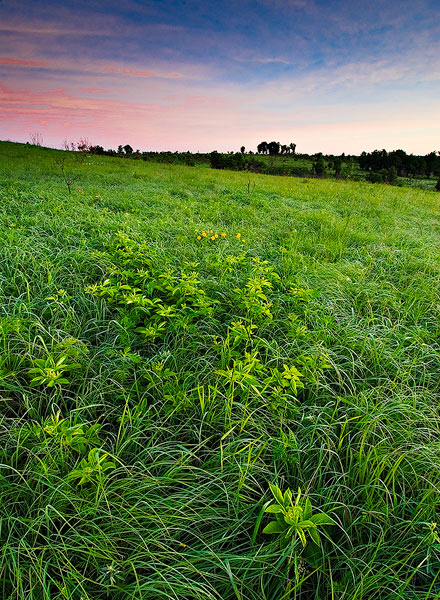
<point x="378" y="166"/>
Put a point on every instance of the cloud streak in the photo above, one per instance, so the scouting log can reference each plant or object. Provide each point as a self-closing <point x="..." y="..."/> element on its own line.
<point x="17" y="62"/>
<point x="141" y="73"/>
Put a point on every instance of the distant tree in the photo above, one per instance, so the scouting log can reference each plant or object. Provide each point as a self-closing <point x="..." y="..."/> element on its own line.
<point x="234" y="162"/>
<point x="337" y="165"/>
<point x="391" y="175"/>
<point x="83" y="145"/>
<point x="36" y="138"/>
<point x="431" y="161"/>
<point x="97" y="150"/>
<point x="242" y="149"/>
<point x="216" y="160"/>
<point x="375" y="177"/>
<point x="347" y="168"/>
<point x="273" y="148"/>
<point x="262" y="148"/>
<point x="128" y="150"/>
<point x="319" y="167"/>
<point x="292" y="147"/>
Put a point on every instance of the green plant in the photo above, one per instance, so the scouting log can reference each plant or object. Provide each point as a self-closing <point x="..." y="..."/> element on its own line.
<point x="93" y="468"/>
<point x="295" y="518"/>
<point x="50" y="371"/>
<point x="77" y="436"/>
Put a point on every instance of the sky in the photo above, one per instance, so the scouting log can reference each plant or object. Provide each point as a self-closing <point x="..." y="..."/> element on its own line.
<point x="329" y="75"/>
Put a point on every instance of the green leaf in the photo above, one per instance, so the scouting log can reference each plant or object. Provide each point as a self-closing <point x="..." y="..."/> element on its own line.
<point x="280" y="518"/>
<point x="274" y="508"/>
<point x="313" y="532"/>
<point x="108" y="465"/>
<point x="273" y="527"/>
<point x="276" y="493"/>
<point x="307" y="509"/>
<point x="302" y="537"/>
<point x="287" y="499"/>
<point x="322" y="519"/>
<point x="72" y="367"/>
<point x="306" y="524"/>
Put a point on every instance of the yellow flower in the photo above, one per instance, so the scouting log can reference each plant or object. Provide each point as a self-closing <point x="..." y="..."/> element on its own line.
<point x="238" y="236"/>
<point x="223" y="234"/>
<point x="212" y="237"/>
<point x="216" y="236"/>
<point x="204" y="233"/>
<point x="199" y="237"/>
<point x="243" y="240"/>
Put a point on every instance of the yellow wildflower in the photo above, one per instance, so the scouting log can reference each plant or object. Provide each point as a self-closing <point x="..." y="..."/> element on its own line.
<point x="212" y="237"/>
<point x="223" y="234"/>
<point x="238" y="236"/>
<point x="216" y="236"/>
<point x="199" y="237"/>
<point x="204" y="233"/>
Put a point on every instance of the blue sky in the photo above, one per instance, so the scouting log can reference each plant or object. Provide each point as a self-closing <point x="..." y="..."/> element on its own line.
<point x="331" y="76"/>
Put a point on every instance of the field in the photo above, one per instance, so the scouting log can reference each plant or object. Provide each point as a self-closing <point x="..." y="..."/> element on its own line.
<point x="182" y="346"/>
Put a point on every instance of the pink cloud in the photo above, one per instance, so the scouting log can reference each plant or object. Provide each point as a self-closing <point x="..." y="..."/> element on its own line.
<point x="109" y="121"/>
<point x="204" y="122"/>
<point x="141" y="73"/>
<point x="94" y="90"/>
<point x="5" y="60"/>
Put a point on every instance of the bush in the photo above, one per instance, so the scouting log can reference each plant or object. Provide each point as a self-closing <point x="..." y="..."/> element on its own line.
<point x="383" y="176"/>
<point x="234" y="162"/>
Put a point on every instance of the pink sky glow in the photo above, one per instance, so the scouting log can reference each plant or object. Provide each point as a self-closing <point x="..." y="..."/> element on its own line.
<point x="160" y="78"/>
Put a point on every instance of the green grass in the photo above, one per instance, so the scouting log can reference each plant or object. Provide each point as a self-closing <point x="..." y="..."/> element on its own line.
<point x="193" y="421"/>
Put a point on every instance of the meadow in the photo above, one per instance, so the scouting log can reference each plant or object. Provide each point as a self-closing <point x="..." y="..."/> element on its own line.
<point x="215" y="385"/>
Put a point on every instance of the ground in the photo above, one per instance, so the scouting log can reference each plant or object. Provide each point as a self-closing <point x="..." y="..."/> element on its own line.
<point x="157" y="376"/>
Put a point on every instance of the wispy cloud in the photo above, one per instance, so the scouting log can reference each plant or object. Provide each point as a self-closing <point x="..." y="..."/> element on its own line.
<point x="94" y="90"/>
<point x="52" y="30"/>
<point x="141" y="73"/>
<point x="18" y="62"/>
<point x="263" y="60"/>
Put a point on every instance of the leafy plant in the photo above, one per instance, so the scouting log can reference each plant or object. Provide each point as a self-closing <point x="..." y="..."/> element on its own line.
<point x="295" y="519"/>
<point x="50" y="371"/>
<point x="93" y="468"/>
<point x="79" y="437"/>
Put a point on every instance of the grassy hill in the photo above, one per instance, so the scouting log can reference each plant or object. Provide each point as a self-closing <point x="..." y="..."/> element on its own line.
<point x="174" y="340"/>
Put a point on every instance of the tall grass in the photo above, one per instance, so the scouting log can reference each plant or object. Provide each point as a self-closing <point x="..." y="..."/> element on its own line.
<point x="179" y="514"/>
